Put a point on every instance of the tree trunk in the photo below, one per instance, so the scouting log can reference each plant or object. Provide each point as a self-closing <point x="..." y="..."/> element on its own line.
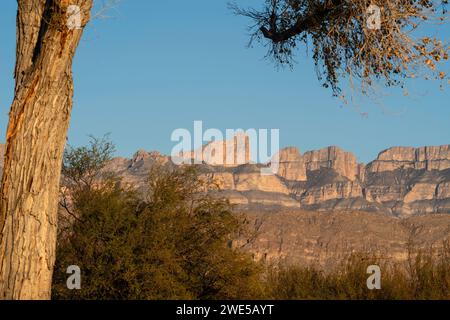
<point x="35" y="140"/>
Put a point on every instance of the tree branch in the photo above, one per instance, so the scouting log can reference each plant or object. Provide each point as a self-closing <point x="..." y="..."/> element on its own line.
<point x="303" y="24"/>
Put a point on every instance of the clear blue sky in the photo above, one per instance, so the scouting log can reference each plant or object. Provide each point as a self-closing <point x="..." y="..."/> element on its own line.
<point x="156" y="66"/>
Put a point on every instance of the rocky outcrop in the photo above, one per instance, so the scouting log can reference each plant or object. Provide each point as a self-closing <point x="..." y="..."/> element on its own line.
<point x="135" y="171"/>
<point x="292" y="165"/>
<point x="333" y="191"/>
<point x="268" y="201"/>
<point x="226" y="153"/>
<point x="344" y="163"/>
<point x="420" y="191"/>
<point x="425" y="158"/>
<point x="222" y="180"/>
<point x="257" y="182"/>
<point x="443" y="191"/>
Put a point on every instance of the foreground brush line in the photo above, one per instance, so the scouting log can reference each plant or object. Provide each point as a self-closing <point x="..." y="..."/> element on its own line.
<point x="422" y="276"/>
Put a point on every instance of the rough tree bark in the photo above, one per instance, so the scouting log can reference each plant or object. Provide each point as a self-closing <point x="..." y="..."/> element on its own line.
<point x="35" y="139"/>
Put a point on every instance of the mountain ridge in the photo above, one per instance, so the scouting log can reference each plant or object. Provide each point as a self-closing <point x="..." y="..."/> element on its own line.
<point x="401" y="181"/>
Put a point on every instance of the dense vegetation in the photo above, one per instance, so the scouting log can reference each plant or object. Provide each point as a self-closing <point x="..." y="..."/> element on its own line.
<point x="423" y="276"/>
<point x="177" y="244"/>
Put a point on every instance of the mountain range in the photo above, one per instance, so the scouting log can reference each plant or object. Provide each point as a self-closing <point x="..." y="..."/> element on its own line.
<point x="323" y="205"/>
<point x="401" y="181"/>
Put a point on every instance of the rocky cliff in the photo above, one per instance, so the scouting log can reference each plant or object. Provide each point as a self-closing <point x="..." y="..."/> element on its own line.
<point x="324" y="205"/>
<point x="426" y="158"/>
<point x="402" y="181"/>
<point x="344" y="163"/>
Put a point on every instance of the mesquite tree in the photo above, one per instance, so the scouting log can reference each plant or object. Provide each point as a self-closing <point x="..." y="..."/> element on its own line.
<point x="367" y="42"/>
<point x="35" y="139"/>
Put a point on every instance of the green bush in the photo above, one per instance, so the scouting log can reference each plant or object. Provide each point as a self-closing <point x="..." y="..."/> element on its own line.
<point x="174" y="245"/>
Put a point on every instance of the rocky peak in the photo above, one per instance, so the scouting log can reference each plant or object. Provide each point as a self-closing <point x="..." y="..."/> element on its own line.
<point x="292" y="167"/>
<point x="428" y="158"/>
<point x="228" y="153"/>
<point x="397" y="154"/>
<point x="290" y="154"/>
<point x="142" y="160"/>
<point x="345" y="163"/>
<point x="140" y="155"/>
<point x="415" y="154"/>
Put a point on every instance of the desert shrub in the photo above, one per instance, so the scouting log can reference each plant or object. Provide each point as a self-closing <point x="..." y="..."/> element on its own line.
<point x="175" y="244"/>
<point x="426" y="275"/>
<point x="429" y="274"/>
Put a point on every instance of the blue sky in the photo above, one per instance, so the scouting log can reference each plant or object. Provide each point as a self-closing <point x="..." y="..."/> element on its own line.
<point x="156" y="66"/>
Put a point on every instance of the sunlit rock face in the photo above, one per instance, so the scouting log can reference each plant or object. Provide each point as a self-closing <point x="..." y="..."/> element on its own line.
<point x="425" y="158"/>
<point x="344" y="163"/>
<point x="228" y="153"/>
<point x="332" y="191"/>
<point x="292" y="165"/>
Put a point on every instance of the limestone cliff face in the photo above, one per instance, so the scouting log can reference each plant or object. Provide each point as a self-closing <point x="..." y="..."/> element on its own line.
<point x="420" y="191"/>
<point x="332" y="191"/>
<point x="425" y="158"/>
<point x="401" y="181"/>
<point x="344" y="163"/>
<point x="135" y="171"/>
<point x="443" y="191"/>
<point x="292" y="165"/>
<point x="227" y="153"/>
<point x="410" y="180"/>
<point x="258" y="182"/>
<point x="296" y="165"/>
